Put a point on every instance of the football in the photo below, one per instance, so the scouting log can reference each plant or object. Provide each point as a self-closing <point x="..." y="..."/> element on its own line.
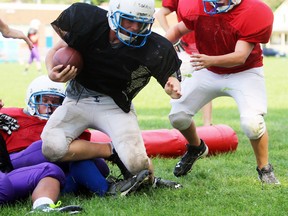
<point x="68" y="56"/>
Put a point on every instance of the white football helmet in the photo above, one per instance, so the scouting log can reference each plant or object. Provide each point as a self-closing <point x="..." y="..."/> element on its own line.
<point x="219" y="8"/>
<point x="37" y="89"/>
<point x="140" y="11"/>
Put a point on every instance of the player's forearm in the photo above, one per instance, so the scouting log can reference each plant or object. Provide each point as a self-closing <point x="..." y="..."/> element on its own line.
<point x="3" y="27"/>
<point x="173" y="34"/>
<point x="176" y="32"/>
<point x="228" y="60"/>
<point x="161" y="18"/>
<point x="238" y="57"/>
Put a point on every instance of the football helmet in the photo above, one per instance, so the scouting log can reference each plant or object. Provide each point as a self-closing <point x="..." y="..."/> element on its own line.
<point x="38" y="88"/>
<point x="140" y="11"/>
<point x="219" y="7"/>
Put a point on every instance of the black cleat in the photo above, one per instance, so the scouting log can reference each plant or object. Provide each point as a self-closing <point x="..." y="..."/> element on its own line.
<point x="130" y="185"/>
<point x="189" y="158"/>
<point x="162" y="183"/>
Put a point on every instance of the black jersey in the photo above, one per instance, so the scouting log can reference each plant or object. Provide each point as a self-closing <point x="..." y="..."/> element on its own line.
<point x="118" y="72"/>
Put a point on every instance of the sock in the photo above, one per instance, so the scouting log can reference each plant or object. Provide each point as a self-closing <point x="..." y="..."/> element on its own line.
<point x="87" y="174"/>
<point x="41" y="201"/>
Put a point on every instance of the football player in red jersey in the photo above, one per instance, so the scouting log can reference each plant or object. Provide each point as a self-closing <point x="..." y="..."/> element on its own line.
<point x="40" y="179"/>
<point x="228" y="34"/>
<point x="23" y="143"/>
<point x="42" y="98"/>
<point x="184" y="47"/>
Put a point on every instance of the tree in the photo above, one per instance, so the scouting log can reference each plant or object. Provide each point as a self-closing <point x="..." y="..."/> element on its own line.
<point x="274" y="4"/>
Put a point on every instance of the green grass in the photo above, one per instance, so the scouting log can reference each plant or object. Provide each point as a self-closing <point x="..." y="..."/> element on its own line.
<point x="225" y="184"/>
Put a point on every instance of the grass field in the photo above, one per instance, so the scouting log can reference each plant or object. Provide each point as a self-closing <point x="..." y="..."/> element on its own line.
<point x="225" y="184"/>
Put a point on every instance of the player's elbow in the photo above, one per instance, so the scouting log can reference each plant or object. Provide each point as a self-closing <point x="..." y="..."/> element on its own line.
<point x="237" y="61"/>
<point x="242" y="60"/>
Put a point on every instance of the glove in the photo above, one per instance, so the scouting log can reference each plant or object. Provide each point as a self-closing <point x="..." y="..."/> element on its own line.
<point x="8" y="124"/>
<point x="179" y="46"/>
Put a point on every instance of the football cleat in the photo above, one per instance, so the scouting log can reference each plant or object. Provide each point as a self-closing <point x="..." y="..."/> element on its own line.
<point x="162" y="183"/>
<point x="189" y="158"/>
<point x="266" y="175"/>
<point x="46" y="208"/>
<point x="128" y="186"/>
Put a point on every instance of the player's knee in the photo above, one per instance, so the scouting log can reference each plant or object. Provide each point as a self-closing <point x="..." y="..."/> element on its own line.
<point x="140" y="164"/>
<point x="52" y="170"/>
<point x="180" y="120"/>
<point x="132" y="153"/>
<point x="54" y="146"/>
<point x="253" y="126"/>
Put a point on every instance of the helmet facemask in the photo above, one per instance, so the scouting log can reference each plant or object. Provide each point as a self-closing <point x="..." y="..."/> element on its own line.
<point x="219" y="7"/>
<point x="37" y="99"/>
<point x="130" y="38"/>
<point x="140" y="11"/>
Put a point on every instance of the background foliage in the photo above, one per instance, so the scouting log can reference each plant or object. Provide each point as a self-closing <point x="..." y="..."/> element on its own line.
<point x="272" y="3"/>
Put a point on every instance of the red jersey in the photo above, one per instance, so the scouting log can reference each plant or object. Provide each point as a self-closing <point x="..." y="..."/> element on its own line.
<point x="30" y="130"/>
<point x="249" y="21"/>
<point x="32" y="35"/>
<point x="189" y="38"/>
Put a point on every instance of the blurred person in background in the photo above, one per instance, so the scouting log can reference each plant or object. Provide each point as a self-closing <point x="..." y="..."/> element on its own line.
<point x="33" y="35"/>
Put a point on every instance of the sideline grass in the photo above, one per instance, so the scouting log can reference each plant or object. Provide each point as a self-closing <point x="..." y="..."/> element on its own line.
<point x="224" y="184"/>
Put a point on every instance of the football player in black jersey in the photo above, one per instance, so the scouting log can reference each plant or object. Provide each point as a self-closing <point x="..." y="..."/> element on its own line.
<point x="120" y="54"/>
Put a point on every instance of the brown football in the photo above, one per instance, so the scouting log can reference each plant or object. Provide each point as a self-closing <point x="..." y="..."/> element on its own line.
<point x="68" y="56"/>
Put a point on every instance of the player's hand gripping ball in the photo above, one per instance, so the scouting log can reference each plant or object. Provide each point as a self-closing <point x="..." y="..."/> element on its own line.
<point x="68" y="56"/>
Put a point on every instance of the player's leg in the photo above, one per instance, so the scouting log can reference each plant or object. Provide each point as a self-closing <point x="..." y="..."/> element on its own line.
<point x="44" y="181"/>
<point x="30" y="60"/>
<point x="249" y="93"/>
<point x="124" y="131"/>
<point x="64" y="127"/>
<point x="87" y="174"/>
<point x="187" y="71"/>
<point x="207" y="114"/>
<point x="25" y="179"/>
<point x="32" y="155"/>
<point x="7" y="192"/>
<point x="37" y="59"/>
<point x="197" y="91"/>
